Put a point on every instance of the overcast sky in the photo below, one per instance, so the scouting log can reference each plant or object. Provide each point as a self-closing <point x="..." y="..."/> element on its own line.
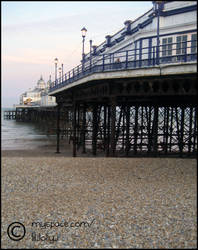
<point x="34" y="33"/>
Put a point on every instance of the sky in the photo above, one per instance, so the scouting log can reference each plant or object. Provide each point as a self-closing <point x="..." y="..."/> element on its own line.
<point x="33" y="33"/>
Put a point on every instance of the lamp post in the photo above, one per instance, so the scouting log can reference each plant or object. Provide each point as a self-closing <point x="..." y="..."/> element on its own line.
<point x="90" y="52"/>
<point x="62" y="71"/>
<point x="56" y="62"/>
<point x="83" y="30"/>
<point x="157" y="9"/>
<point x="158" y="41"/>
<point x="94" y="49"/>
<point x="59" y="70"/>
<point x="50" y="82"/>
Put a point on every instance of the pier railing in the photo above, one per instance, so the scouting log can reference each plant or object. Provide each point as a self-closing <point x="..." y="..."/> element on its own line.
<point x="170" y="53"/>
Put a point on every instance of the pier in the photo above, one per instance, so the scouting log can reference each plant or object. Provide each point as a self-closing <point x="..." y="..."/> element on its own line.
<point x="134" y="108"/>
<point x="135" y="95"/>
<point x="45" y="117"/>
<point x="99" y="150"/>
<point x="26" y="113"/>
<point x="124" y="111"/>
<point x="9" y="114"/>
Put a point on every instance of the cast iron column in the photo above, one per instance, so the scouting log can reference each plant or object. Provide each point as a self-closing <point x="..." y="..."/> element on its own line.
<point x="113" y="126"/>
<point x="108" y="130"/>
<point x="84" y="128"/>
<point x="58" y="128"/>
<point x="127" y="129"/>
<point x="74" y="129"/>
<point x="136" y="129"/>
<point x="155" y="130"/>
<point x="105" y="126"/>
<point x="95" y="126"/>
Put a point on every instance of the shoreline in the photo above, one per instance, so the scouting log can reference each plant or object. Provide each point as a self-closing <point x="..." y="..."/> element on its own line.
<point x="50" y="151"/>
<point x="47" y="148"/>
<point x="67" y="152"/>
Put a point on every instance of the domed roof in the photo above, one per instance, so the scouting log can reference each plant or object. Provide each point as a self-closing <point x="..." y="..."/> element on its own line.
<point x="41" y="83"/>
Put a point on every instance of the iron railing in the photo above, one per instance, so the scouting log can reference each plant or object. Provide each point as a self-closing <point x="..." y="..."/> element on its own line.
<point x="130" y="59"/>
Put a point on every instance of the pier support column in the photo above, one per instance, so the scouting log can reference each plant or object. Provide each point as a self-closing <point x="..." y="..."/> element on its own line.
<point x="58" y="129"/>
<point x="155" y="130"/>
<point x="78" y="114"/>
<point x="136" y="130"/>
<point x="181" y="137"/>
<point x="127" y="129"/>
<point x="74" y="129"/>
<point x="108" y="130"/>
<point x="113" y="127"/>
<point x="84" y="129"/>
<point x="105" y="127"/>
<point x="95" y="129"/>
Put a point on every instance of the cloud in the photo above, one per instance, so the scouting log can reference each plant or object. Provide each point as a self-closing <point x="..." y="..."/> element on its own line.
<point x="48" y="25"/>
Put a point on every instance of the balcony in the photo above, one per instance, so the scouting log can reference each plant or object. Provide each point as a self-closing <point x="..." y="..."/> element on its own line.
<point x="146" y="57"/>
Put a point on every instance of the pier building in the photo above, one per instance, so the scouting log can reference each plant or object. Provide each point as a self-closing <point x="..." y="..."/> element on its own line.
<point x="38" y="95"/>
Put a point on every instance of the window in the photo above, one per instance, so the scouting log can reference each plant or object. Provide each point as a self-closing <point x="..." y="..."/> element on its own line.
<point x="193" y="43"/>
<point x="181" y="44"/>
<point x="167" y="46"/>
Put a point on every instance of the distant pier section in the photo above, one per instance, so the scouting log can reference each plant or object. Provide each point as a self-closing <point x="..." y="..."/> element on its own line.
<point x="9" y="115"/>
<point x="26" y="113"/>
<point x="43" y="116"/>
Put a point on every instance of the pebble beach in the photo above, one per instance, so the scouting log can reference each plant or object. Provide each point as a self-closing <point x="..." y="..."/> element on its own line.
<point x="86" y="202"/>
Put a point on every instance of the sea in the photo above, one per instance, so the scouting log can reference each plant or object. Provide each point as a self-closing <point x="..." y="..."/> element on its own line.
<point x="22" y="135"/>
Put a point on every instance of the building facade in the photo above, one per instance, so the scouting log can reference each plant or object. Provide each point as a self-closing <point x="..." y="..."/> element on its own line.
<point x="47" y="100"/>
<point x="165" y="34"/>
<point x="176" y="28"/>
<point x="38" y="95"/>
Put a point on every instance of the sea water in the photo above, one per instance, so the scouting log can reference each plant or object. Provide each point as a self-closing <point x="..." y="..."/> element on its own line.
<point x="22" y="135"/>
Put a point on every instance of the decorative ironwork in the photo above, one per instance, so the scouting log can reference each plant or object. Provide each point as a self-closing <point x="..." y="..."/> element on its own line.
<point x="140" y="131"/>
<point x="129" y="59"/>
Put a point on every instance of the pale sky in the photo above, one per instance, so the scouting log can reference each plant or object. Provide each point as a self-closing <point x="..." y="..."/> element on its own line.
<point x="36" y="32"/>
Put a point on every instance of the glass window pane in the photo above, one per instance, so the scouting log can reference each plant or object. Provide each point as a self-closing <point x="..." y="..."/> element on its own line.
<point x="164" y="50"/>
<point x="194" y="36"/>
<point x="167" y="46"/>
<point x="178" y="46"/>
<point x="184" y="44"/>
<point x="184" y="38"/>
<point x="178" y="39"/>
<point x="193" y="43"/>
<point x="164" y="40"/>
<point x="169" y="49"/>
<point x="170" y="40"/>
